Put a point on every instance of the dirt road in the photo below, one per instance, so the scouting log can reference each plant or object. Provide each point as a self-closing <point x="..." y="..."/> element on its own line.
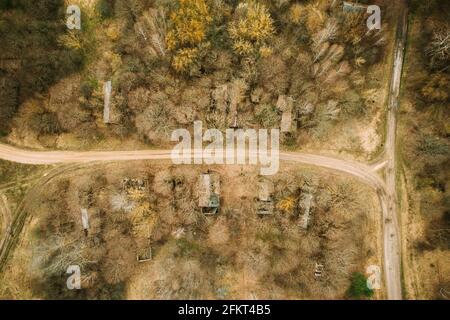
<point x="392" y="235"/>
<point x="361" y="171"/>
<point x="6" y="219"/>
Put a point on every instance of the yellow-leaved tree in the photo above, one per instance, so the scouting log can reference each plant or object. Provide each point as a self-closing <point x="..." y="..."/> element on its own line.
<point x="286" y="205"/>
<point x="295" y="13"/>
<point x="188" y="26"/>
<point x="251" y="29"/>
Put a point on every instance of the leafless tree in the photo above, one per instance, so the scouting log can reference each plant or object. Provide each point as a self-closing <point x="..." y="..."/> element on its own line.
<point x="439" y="48"/>
<point x="152" y="27"/>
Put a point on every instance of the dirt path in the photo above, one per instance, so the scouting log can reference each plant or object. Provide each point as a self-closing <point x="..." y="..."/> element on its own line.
<point x="6" y="219"/>
<point x="392" y="235"/>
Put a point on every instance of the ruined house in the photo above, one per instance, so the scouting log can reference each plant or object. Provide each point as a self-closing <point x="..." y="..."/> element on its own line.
<point x="144" y="254"/>
<point x="265" y="197"/>
<point x="305" y="203"/>
<point x="209" y="193"/>
<point x="220" y="98"/>
<point x="227" y="98"/>
<point x="288" y="122"/>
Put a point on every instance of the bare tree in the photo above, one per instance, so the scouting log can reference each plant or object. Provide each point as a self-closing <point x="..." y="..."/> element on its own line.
<point x="152" y="27"/>
<point x="439" y="48"/>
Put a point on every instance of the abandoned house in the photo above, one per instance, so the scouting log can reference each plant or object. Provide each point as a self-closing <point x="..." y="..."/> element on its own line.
<point x="288" y="121"/>
<point x="265" y="197"/>
<point x="305" y="203"/>
<point x="144" y="254"/>
<point x="209" y="193"/>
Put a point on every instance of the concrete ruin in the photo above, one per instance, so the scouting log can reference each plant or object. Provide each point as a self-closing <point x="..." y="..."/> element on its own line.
<point x="107" y="103"/>
<point x="209" y="193"/>
<point x="85" y="220"/>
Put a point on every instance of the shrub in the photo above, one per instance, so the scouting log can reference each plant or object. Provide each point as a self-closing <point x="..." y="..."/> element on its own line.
<point x="433" y="146"/>
<point x="184" y="59"/>
<point x="268" y="116"/>
<point x="437" y="88"/>
<point x="105" y="9"/>
<point x="295" y="13"/>
<point x="358" y="287"/>
<point x="45" y="123"/>
<point x="88" y="87"/>
<point x="6" y="4"/>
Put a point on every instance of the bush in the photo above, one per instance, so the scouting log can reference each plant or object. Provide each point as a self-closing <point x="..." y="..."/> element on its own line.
<point x="105" y="9"/>
<point x="45" y="123"/>
<point x="437" y="88"/>
<point x="88" y="87"/>
<point x="6" y="4"/>
<point x="358" y="287"/>
<point x="433" y="146"/>
<point x="268" y="116"/>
